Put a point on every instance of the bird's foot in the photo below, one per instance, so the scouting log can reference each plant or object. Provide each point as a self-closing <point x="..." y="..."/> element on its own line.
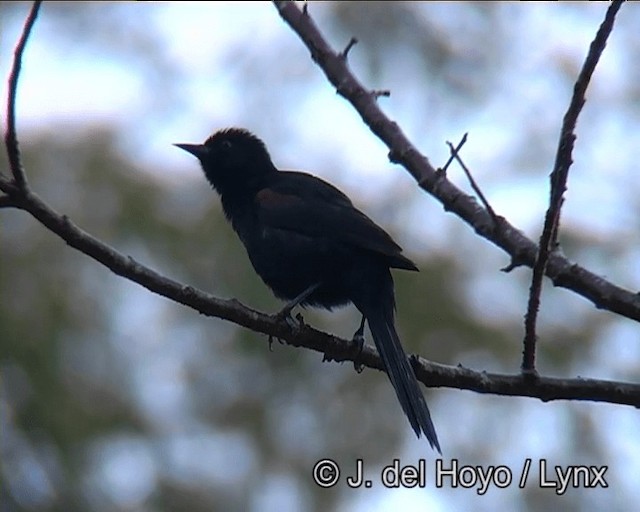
<point x="285" y="312"/>
<point x="295" y="324"/>
<point x="285" y="315"/>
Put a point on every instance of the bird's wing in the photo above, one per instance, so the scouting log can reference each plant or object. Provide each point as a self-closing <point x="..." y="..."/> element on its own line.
<point x="308" y="205"/>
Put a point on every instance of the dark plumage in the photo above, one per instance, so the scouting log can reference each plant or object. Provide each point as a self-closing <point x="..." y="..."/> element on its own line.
<point x="309" y="244"/>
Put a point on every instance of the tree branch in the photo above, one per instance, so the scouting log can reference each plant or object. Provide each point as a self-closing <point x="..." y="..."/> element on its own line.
<point x="302" y="335"/>
<point x="10" y="138"/>
<point x="558" y="178"/>
<point x="544" y="388"/>
<point x="7" y="185"/>
<point x="334" y="348"/>
<point x="6" y="202"/>
<point x="522" y="250"/>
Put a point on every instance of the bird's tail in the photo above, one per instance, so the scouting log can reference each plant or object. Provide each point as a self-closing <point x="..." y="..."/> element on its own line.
<point x="380" y="317"/>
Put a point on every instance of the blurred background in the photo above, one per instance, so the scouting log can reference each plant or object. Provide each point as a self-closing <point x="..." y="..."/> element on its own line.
<point x="114" y="399"/>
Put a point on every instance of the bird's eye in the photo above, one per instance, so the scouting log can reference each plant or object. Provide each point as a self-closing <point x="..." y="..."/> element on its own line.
<point x="226" y="145"/>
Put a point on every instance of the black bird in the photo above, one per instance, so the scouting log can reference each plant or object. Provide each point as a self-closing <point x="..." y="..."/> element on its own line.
<point x="311" y="246"/>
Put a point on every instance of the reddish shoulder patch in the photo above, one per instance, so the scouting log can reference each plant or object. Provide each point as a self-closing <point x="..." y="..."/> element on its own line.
<point x="269" y="198"/>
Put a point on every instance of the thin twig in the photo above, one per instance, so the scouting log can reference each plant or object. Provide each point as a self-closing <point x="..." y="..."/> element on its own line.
<point x="454" y="153"/>
<point x="472" y="181"/>
<point x="345" y="53"/>
<point x="380" y="93"/>
<point x="10" y="138"/>
<point x="559" y="175"/>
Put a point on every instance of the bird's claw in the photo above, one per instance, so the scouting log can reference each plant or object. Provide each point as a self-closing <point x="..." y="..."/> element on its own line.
<point x="295" y="323"/>
<point x="285" y="315"/>
<point x="271" y="338"/>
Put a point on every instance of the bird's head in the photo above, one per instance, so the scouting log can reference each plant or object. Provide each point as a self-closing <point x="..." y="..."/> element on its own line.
<point x="232" y="159"/>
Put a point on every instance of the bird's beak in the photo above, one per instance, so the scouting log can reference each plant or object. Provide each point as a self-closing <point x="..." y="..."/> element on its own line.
<point x="197" y="150"/>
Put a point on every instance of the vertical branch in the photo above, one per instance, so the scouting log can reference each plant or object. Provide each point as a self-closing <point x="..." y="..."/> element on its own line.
<point x="10" y="137"/>
<point x="558" y="178"/>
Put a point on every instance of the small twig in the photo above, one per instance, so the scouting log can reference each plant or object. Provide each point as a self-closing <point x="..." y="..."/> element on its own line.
<point x="559" y="175"/>
<point x="474" y="185"/>
<point x="10" y="138"/>
<point x="454" y="153"/>
<point x="378" y="93"/>
<point x="513" y="264"/>
<point x="345" y="53"/>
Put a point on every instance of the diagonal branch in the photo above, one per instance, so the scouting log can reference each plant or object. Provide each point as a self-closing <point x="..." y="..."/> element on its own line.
<point x="522" y="250"/>
<point x="558" y="178"/>
<point x="10" y="138"/>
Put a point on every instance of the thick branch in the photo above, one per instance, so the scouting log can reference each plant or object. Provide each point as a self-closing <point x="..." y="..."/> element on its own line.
<point x="522" y="250"/>
<point x="544" y="388"/>
<point x="334" y="348"/>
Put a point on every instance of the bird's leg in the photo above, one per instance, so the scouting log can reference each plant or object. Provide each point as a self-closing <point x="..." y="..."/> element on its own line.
<point x="358" y="338"/>
<point x="285" y="312"/>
